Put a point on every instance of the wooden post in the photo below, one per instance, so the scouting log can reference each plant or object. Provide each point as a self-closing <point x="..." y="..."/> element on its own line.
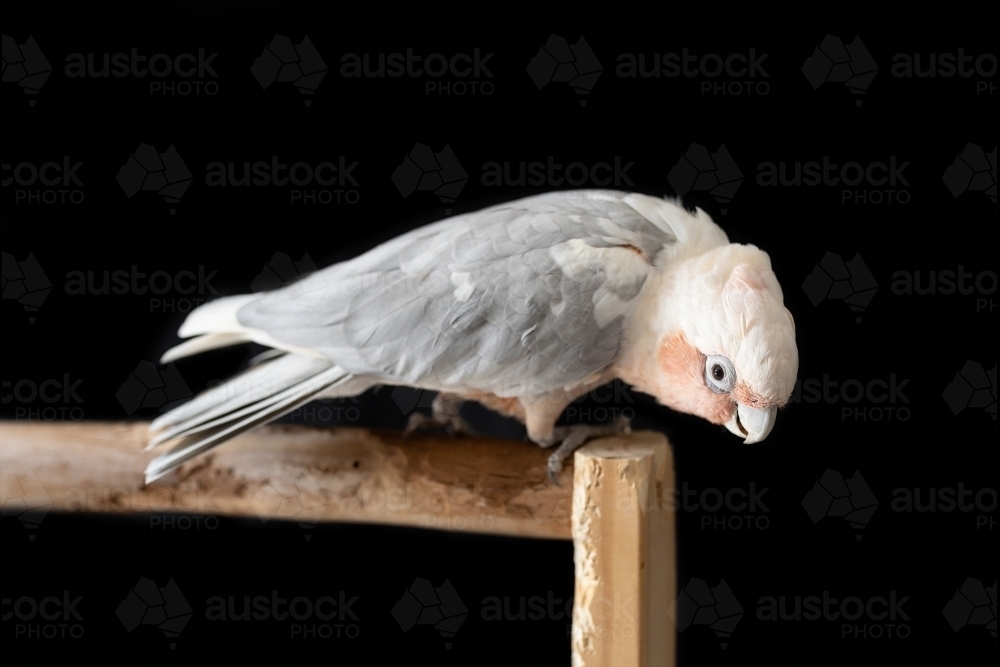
<point x="623" y="539"/>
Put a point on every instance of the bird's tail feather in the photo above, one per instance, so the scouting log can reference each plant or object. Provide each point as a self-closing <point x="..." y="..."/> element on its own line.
<point x="253" y="398"/>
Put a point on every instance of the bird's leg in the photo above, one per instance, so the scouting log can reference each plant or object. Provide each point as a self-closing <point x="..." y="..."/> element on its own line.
<point x="444" y="415"/>
<point x="573" y="437"/>
<point x="541" y="416"/>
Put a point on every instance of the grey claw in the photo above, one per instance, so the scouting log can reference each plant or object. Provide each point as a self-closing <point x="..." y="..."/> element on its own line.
<point x="555" y="467"/>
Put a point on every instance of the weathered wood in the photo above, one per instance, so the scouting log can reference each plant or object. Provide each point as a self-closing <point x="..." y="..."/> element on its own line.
<point x="293" y="472"/>
<point x="624" y="553"/>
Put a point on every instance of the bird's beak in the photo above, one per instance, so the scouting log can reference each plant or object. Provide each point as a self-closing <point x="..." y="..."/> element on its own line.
<point x="752" y="423"/>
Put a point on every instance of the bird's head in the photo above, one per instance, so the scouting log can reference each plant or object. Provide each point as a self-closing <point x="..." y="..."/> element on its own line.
<point x="723" y="341"/>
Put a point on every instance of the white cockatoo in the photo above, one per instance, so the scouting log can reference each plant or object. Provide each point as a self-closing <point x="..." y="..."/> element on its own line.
<point x="523" y="307"/>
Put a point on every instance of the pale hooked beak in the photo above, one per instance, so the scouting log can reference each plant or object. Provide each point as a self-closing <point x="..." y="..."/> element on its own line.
<point x="752" y="423"/>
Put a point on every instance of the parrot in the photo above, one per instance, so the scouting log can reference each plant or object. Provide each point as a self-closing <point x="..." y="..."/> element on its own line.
<point x="522" y="307"/>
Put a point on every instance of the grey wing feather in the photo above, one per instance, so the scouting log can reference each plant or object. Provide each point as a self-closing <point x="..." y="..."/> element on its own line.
<point x="478" y="300"/>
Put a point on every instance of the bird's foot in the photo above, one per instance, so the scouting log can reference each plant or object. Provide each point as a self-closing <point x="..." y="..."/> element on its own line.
<point x="450" y="424"/>
<point x="573" y="437"/>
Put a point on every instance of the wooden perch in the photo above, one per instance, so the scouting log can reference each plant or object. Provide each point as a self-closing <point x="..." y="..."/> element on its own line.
<point x="623" y="539"/>
<point x="473" y="484"/>
<point x="611" y="502"/>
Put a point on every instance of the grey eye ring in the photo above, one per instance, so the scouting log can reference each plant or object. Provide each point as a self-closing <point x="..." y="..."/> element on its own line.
<point x="720" y="374"/>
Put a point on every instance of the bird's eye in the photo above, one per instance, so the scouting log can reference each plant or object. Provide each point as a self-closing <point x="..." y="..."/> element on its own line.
<point x="720" y="375"/>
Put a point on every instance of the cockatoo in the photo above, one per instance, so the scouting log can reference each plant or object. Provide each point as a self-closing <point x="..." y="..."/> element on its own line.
<point x="523" y="307"/>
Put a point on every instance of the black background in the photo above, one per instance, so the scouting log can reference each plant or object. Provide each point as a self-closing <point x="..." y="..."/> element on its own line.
<point x="924" y="339"/>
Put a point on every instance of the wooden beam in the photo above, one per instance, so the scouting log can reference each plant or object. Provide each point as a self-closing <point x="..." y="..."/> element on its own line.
<point x="623" y="538"/>
<point x="622" y="529"/>
<point x="473" y="484"/>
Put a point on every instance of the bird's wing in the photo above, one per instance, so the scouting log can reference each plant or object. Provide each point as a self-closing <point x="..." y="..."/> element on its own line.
<point x="518" y="299"/>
